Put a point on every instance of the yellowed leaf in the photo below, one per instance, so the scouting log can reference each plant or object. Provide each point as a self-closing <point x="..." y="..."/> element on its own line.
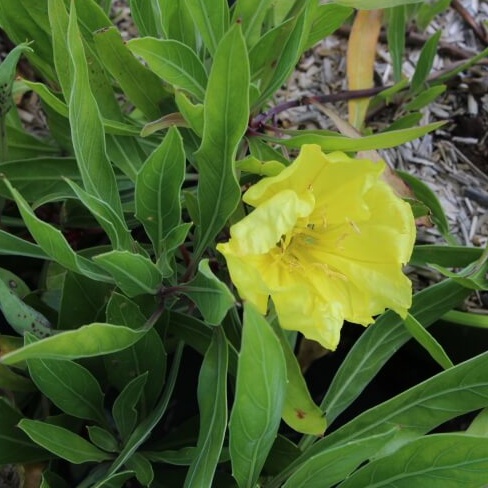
<point x="361" y="53"/>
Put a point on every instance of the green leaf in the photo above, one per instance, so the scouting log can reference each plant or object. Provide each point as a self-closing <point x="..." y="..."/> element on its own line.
<point x="147" y="17"/>
<point x="340" y="143"/>
<point x="396" y="38"/>
<point x="175" y="238"/>
<point x="374" y="4"/>
<point x="87" y="128"/>
<point x="178" y="23"/>
<point x="211" y="295"/>
<point x="70" y="386"/>
<point x="117" y="480"/>
<point x="331" y="466"/>
<point x="142" y="87"/>
<point x="479" y="426"/>
<point x="454" y="392"/>
<point x="147" y="355"/>
<point x="285" y="58"/>
<point x="124" y="411"/>
<point x="90" y="340"/>
<point x="14" y="246"/>
<point x="212" y="402"/>
<point x="211" y="20"/>
<point x="327" y="19"/>
<point x="258" y="167"/>
<point x="427" y="341"/>
<point x="52" y="241"/>
<point x="379" y="342"/>
<point x="250" y="14"/>
<point x="447" y="256"/>
<point x="174" y="62"/>
<point x="48" y="97"/>
<point x="82" y="300"/>
<point x="428" y="10"/>
<point x="425" y="97"/>
<point x="143" y="430"/>
<point x="62" y="442"/>
<point x="111" y="222"/>
<point x="283" y="453"/>
<point x="429" y="198"/>
<point x="20" y="20"/>
<point x="15" y="446"/>
<point x="466" y="318"/>
<point x="264" y="55"/>
<point x="158" y="187"/>
<point x="133" y="273"/>
<point x="436" y="461"/>
<point x="425" y="62"/>
<point x="405" y="122"/>
<point x="8" y="71"/>
<point x="19" y="315"/>
<point x="102" y="438"/>
<point x="192" y="113"/>
<point x="226" y="115"/>
<point x="35" y="178"/>
<point x="14" y="382"/>
<point x="259" y="398"/>
<point x="299" y="410"/>
<point x="142" y="468"/>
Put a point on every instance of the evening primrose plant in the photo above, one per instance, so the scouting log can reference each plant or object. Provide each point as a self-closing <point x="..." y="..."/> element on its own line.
<point x="167" y="251"/>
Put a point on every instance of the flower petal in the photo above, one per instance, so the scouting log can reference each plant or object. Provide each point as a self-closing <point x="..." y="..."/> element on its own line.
<point x="245" y="274"/>
<point x="332" y="178"/>
<point x="262" y="229"/>
<point x="299" y="308"/>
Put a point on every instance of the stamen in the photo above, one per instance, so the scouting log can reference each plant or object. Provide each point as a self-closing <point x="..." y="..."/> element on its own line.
<point x="329" y="272"/>
<point x="354" y="226"/>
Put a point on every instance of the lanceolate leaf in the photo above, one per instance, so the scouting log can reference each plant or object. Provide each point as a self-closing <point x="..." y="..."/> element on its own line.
<point x="134" y="274"/>
<point x="37" y="177"/>
<point x="158" y="187"/>
<point x="436" y="461"/>
<point x="259" y="398"/>
<point x="251" y="14"/>
<point x="284" y="61"/>
<point x="211" y="19"/>
<point x="87" y="128"/>
<point x="299" y="410"/>
<point x="212" y="297"/>
<point x="7" y="75"/>
<point x="174" y="62"/>
<point x="143" y="88"/>
<point x="425" y="62"/>
<point x="62" y="442"/>
<point x="366" y="143"/>
<point x="70" y="386"/>
<point x="115" y="227"/>
<point x="333" y="465"/>
<point x="458" y="390"/>
<point x="90" y="340"/>
<point x="212" y="401"/>
<point x="374" y="4"/>
<point x="226" y="114"/>
<point x="53" y="243"/>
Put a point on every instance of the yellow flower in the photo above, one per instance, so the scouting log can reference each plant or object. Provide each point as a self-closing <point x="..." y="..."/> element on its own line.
<point x="327" y="240"/>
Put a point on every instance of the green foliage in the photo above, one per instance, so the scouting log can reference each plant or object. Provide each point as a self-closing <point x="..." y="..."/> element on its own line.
<point x="120" y="207"/>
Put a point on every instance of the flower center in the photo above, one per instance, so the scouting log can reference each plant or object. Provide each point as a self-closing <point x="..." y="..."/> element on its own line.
<point x="297" y="251"/>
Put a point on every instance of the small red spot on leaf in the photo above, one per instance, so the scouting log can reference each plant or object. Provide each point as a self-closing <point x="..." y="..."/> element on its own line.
<point x="300" y="413"/>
